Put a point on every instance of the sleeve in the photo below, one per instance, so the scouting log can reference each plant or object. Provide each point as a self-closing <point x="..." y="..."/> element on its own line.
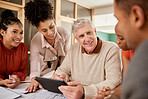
<point x="135" y="83"/>
<point x="65" y="66"/>
<point x="23" y="70"/>
<point x="126" y="54"/>
<point x="112" y="73"/>
<point x="1" y="77"/>
<point x="34" y="58"/>
<point x="67" y="43"/>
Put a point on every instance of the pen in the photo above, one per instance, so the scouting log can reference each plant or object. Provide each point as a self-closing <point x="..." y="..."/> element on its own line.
<point x="13" y="79"/>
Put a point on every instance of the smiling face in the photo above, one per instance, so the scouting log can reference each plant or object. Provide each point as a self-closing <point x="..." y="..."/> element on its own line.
<point x="120" y="39"/>
<point x="87" y="37"/>
<point x="13" y="35"/>
<point x="123" y="23"/>
<point x="47" y="28"/>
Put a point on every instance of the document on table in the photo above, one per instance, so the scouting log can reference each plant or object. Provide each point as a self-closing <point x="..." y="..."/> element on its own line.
<point x="20" y="93"/>
<point x="44" y="94"/>
<point x="20" y="88"/>
<point x="8" y="94"/>
<point x="27" y="80"/>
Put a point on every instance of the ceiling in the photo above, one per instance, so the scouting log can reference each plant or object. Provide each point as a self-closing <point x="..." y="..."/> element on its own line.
<point x="94" y="3"/>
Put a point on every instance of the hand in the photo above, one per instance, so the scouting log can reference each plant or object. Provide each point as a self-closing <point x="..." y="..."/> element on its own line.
<point x="99" y="96"/>
<point x="105" y="93"/>
<point x="59" y="77"/>
<point x="9" y="83"/>
<point x="74" y="90"/>
<point x="12" y="82"/>
<point x="15" y="79"/>
<point x="33" y="85"/>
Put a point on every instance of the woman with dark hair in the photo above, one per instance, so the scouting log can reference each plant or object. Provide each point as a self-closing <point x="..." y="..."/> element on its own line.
<point x="13" y="53"/>
<point x="50" y="45"/>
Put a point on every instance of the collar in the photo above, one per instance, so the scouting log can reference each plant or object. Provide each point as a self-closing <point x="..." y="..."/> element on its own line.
<point x="98" y="47"/>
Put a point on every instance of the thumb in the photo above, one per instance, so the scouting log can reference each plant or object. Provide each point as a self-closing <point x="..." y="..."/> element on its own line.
<point x="62" y="76"/>
<point x="74" y="83"/>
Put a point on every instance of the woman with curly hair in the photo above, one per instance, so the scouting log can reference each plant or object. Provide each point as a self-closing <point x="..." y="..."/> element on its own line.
<point x="13" y="53"/>
<point x="50" y="44"/>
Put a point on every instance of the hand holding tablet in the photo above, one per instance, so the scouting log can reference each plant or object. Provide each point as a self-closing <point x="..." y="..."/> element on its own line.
<point x="51" y="84"/>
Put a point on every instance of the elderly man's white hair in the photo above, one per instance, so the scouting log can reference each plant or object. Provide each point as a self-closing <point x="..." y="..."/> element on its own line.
<point x="80" y="23"/>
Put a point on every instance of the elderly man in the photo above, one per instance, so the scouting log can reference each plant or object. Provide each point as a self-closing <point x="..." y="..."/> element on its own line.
<point x="90" y="64"/>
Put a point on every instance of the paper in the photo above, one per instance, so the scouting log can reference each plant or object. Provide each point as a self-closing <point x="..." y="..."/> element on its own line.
<point x="27" y="80"/>
<point x="44" y="94"/>
<point x="8" y="94"/>
<point x="20" y="89"/>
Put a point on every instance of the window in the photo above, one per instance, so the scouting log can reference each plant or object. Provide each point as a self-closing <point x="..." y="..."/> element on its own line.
<point x="67" y="8"/>
<point x="83" y="13"/>
<point x="14" y="12"/>
<point x="14" y="1"/>
<point x="105" y="22"/>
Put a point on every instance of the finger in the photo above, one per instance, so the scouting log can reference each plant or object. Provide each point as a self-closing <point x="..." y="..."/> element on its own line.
<point x="15" y="77"/>
<point x="8" y="81"/>
<point x="55" y="76"/>
<point x="40" y="86"/>
<point x="101" y="93"/>
<point x="67" y="88"/>
<point x="11" y="85"/>
<point x="108" y="97"/>
<point x="112" y="92"/>
<point x="31" y="88"/>
<point x="109" y="93"/>
<point x="74" y="83"/>
<point x="34" y="88"/>
<point x="27" y="89"/>
<point x="68" y="96"/>
<point x="66" y="93"/>
<point x="63" y="76"/>
<point x="99" y="97"/>
<point x="106" y="88"/>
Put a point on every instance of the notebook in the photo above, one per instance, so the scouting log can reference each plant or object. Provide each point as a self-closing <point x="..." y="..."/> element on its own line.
<point x="8" y="94"/>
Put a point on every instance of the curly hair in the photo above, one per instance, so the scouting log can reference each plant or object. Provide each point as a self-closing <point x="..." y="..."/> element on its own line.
<point x="38" y="10"/>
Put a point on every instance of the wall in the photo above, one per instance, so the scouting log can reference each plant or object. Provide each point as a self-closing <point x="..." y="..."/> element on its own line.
<point x="107" y="36"/>
<point x="112" y="37"/>
<point x="103" y="10"/>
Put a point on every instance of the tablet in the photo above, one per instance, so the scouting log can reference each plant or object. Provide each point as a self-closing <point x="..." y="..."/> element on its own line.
<point x="51" y="84"/>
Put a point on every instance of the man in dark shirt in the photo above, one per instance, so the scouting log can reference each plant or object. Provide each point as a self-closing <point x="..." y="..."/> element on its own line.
<point x="132" y="18"/>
